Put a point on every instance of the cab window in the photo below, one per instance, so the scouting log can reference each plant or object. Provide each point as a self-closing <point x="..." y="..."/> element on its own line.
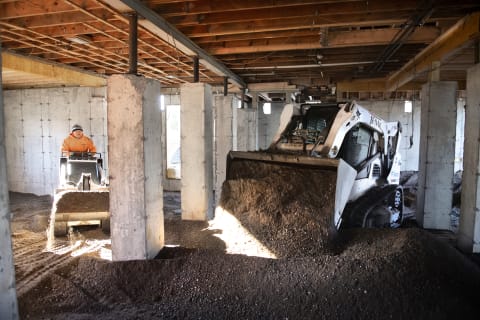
<point x="356" y="146"/>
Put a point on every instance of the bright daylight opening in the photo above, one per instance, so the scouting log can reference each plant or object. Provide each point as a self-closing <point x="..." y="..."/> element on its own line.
<point x="173" y="142"/>
<point x="408" y="106"/>
<point x="267" y="108"/>
<point x="162" y="103"/>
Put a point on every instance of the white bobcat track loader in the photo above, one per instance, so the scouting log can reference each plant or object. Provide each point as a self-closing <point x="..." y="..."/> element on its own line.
<point x="361" y="148"/>
<point x="82" y="197"/>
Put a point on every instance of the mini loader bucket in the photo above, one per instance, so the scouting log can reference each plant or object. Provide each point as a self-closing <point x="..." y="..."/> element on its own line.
<point x="324" y="185"/>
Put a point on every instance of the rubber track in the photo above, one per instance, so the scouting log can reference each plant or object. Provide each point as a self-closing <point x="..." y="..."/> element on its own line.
<point x="355" y="212"/>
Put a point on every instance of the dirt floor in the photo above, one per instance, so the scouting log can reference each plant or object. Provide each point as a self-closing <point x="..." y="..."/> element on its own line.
<point x="219" y="270"/>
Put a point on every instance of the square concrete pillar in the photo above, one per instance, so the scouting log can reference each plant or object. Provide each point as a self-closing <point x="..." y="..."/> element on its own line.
<point x="8" y="296"/>
<point x="437" y="155"/>
<point x="469" y="228"/>
<point x="223" y="111"/>
<point x="197" y="151"/>
<point x="135" y="162"/>
<point x="246" y="129"/>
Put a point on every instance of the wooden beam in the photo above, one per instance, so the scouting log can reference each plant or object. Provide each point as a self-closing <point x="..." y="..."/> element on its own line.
<point x="371" y="37"/>
<point x="371" y="85"/>
<point x="170" y="8"/>
<point x="271" y="11"/>
<point x="314" y="22"/>
<point x="70" y="30"/>
<point x="31" y="8"/>
<point x="462" y="34"/>
<point x="271" y="86"/>
<point x="53" y="20"/>
<point x="423" y="34"/>
<point x="66" y="75"/>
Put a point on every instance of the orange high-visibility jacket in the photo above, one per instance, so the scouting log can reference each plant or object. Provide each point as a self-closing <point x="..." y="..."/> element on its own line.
<point x="72" y="144"/>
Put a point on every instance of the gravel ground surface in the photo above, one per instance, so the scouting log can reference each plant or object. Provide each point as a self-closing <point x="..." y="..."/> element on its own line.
<point x="219" y="270"/>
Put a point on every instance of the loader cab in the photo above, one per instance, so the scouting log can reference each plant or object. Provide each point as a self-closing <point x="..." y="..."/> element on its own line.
<point x="311" y="126"/>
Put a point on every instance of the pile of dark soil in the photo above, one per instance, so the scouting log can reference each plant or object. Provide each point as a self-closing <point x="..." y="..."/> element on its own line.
<point x="288" y="209"/>
<point x="81" y="201"/>
<point x="379" y="274"/>
<point x="29" y="211"/>
<point x="383" y="274"/>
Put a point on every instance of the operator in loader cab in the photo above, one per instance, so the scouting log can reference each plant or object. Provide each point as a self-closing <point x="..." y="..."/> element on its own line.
<point x="77" y="142"/>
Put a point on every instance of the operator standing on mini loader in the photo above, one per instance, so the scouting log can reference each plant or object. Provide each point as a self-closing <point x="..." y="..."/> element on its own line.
<point x="77" y="142"/>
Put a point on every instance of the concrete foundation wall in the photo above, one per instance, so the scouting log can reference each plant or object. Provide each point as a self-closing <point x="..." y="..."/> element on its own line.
<point x="437" y="154"/>
<point x="36" y="123"/>
<point x="8" y="298"/>
<point x="469" y="228"/>
<point x="245" y="129"/>
<point x="268" y="124"/>
<point x="197" y="151"/>
<point x="136" y="192"/>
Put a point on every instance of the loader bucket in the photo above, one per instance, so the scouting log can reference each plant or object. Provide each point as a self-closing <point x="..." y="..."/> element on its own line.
<point x="287" y="198"/>
<point x="74" y="208"/>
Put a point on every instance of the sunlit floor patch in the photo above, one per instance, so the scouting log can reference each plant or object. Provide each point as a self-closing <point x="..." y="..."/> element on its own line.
<point x="237" y="239"/>
<point x="77" y="245"/>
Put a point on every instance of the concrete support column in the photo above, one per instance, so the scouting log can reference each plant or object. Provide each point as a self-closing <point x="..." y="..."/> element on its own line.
<point x="246" y="127"/>
<point x="135" y="161"/>
<point x="437" y="155"/>
<point x="469" y="228"/>
<point x="8" y="297"/>
<point x="197" y="151"/>
<point x="223" y="139"/>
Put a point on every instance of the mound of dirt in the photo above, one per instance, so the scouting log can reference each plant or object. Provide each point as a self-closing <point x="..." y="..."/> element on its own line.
<point x="379" y="274"/>
<point x="288" y="209"/>
<point x="81" y="201"/>
<point x="385" y="274"/>
<point x="31" y="212"/>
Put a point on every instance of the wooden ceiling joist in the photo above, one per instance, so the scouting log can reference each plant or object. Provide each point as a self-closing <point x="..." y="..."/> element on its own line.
<point x="463" y="33"/>
<point x="275" y="13"/>
<point x="371" y="37"/>
<point x="291" y="23"/>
